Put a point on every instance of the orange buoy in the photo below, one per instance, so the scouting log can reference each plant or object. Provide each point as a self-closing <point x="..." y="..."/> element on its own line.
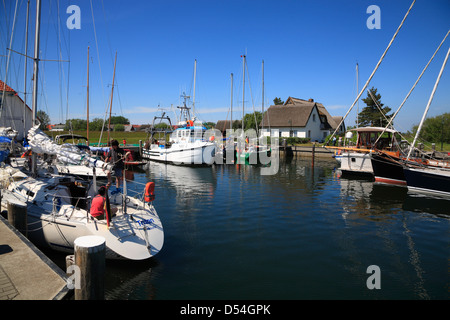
<point x="149" y="194"/>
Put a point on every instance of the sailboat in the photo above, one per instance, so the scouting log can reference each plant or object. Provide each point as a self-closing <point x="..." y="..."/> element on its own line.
<point x="426" y="178"/>
<point x="360" y="162"/>
<point x="388" y="168"/>
<point x="76" y="166"/>
<point x="249" y="151"/>
<point x="58" y="206"/>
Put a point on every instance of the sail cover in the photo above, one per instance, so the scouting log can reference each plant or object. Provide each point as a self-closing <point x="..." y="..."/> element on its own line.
<point x="65" y="153"/>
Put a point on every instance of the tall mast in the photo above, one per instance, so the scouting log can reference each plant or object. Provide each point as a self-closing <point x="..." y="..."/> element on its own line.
<point x="243" y="90"/>
<point x="25" y="71"/>
<point x="357" y="90"/>
<point x="262" y="108"/>
<point x="87" y="102"/>
<point x="193" y="102"/>
<point x="112" y="91"/>
<point x="35" y="75"/>
<point x="231" y="104"/>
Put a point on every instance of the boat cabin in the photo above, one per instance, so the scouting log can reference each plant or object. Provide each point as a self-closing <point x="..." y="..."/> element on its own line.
<point x="377" y="138"/>
<point x="188" y="134"/>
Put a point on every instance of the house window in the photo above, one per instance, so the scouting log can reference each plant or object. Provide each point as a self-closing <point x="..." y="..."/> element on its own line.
<point x="291" y="133"/>
<point x="314" y="117"/>
<point x="309" y="133"/>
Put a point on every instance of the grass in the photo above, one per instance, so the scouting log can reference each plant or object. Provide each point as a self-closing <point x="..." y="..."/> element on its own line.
<point x="130" y="137"/>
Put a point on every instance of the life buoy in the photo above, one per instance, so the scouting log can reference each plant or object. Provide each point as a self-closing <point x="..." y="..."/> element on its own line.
<point x="149" y="194"/>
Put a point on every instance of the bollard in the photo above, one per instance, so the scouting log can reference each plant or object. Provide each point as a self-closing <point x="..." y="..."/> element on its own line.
<point x="90" y="259"/>
<point x="17" y="216"/>
<point x="313" y="154"/>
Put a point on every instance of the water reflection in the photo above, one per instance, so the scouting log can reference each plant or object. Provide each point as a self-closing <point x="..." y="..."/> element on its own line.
<point x="190" y="183"/>
<point x="372" y="200"/>
<point x="303" y="233"/>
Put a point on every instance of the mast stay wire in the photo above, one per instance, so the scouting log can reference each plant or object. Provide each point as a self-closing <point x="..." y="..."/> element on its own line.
<point x="373" y="72"/>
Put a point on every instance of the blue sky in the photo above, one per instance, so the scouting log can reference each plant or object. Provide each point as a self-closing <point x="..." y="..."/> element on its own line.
<point x="310" y="50"/>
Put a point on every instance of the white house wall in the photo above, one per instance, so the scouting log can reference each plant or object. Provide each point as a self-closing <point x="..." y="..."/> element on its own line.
<point x="13" y="115"/>
<point x="311" y="130"/>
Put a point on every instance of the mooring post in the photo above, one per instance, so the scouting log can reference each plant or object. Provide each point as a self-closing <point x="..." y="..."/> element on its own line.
<point x="90" y="259"/>
<point x="17" y="216"/>
<point x="313" y="154"/>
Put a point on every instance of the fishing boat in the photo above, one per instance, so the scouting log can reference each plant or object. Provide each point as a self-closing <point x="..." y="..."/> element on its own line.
<point x="357" y="159"/>
<point x="187" y="144"/>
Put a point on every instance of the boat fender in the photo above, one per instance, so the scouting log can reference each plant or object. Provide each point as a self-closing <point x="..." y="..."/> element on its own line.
<point x="149" y="193"/>
<point x="211" y="138"/>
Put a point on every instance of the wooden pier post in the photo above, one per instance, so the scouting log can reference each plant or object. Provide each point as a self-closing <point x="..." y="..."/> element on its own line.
<point x="313" y="153"/>
<point x="140" y="148"/>
<point x="90" y="259"/>
<point x="17" y="216"/>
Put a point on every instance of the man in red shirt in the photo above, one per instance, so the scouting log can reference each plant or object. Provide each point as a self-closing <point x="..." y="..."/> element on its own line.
<point x="98" y="205"/>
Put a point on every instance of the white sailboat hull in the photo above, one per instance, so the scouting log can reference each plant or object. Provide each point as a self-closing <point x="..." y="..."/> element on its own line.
<point x="54" y="222"/>
<point x="197" y="153"/>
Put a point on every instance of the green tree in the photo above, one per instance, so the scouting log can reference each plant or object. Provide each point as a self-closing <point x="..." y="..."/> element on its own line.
<point x="44" y="119"/>
<point x="436" y="129"/>
<point x="250" y="122"/>
<point x="119" y="127"/>
<point x="278" y="101"/>
<point x="75" y="124"/>
<point x="209" y="124"/>
<point x="96" y="124"/>
<point x="119" y="120"/>
<point x="237" y="124"/>
<point x="371" y="115"/>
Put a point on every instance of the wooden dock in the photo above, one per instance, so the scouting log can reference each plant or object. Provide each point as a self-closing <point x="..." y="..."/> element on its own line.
<point x="307" y="151"/>
<point x="25" y="272"/>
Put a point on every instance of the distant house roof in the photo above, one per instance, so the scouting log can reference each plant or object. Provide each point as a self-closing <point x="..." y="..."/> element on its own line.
<point x="223" y="125"/>
<point x="4" y="86"/>
<point x="295" y="113"/>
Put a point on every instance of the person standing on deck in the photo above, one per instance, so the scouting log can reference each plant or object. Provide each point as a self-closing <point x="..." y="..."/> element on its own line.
<point x="115" y="158"/>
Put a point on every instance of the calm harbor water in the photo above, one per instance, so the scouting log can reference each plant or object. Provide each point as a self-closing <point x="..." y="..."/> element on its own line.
<point x="304" y="233"/>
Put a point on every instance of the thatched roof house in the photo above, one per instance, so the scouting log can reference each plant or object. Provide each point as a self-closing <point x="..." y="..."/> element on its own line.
<point x="300" y="118"/>
<point x="223" y="125"/>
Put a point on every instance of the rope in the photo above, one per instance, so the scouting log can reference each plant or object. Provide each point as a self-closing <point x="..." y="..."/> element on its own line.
<point x="373" y="72"/>
<point x="411" y="90"/>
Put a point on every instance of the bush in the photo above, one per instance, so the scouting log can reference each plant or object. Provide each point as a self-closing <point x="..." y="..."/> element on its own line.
<point x="119" y="127"/>
<point x="296" y="140"/>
